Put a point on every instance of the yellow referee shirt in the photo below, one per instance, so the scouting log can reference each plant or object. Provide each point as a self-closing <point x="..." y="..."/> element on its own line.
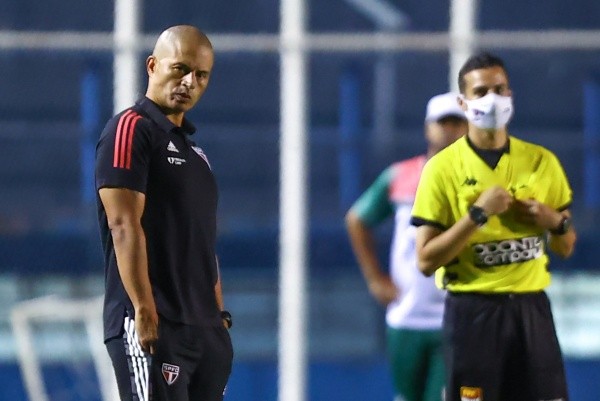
<point x="503" y="255"/>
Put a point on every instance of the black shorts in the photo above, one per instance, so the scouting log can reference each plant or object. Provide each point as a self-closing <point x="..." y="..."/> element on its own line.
<point x="502" y="347"/>
<point x="189" y="363"/>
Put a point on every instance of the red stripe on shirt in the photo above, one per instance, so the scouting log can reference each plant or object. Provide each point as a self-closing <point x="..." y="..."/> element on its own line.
<point x="117" y="150"/>
<point x="124" y="139"/>
<point x="130" y="140"/>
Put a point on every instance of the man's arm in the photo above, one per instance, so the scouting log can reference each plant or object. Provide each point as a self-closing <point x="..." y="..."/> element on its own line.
<point x="124" y="209"/>
<point x="219" y="294"/>
<point x="563" y="244"/>
<point x="380" y="285"/>
<point x="219" y="298"/>
<point x="543" y="216"/>
<point x="435" y="247"/>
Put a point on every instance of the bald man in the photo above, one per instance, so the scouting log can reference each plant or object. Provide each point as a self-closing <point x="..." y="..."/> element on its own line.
<point x="165" y="325"/>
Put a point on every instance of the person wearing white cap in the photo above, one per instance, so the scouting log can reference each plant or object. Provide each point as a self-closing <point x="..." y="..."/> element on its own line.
<point x="445" y="122"/>
<point x="414" y="304"/>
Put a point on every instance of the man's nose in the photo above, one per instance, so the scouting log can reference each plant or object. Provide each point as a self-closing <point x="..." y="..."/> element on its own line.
<point x="189" y="79"/>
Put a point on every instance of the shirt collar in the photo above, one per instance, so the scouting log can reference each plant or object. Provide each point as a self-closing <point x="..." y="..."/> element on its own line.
<point x="503" y="149"/>
<point x="156" y="114"/>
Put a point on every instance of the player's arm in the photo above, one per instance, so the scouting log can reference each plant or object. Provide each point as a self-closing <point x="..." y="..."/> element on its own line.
<point x="363" y="244"/>
<point x="370" y="209"/>
<point x="124" y="209"/>
<point x="435" y="248"/>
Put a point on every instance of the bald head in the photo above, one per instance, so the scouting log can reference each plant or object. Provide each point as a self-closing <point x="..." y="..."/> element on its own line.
<point x="179" y="36"/>
<point x="179" y="70"/>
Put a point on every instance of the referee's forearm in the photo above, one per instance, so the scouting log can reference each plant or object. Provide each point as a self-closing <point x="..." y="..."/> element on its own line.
<point x="563" y="245"/>
<point x="436" y="248"/>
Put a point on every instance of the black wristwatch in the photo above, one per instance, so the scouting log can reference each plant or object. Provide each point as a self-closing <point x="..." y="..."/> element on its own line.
<point x="563" y="227"/>
<point x="477" y="214"/>
<point x="225" y="315"/>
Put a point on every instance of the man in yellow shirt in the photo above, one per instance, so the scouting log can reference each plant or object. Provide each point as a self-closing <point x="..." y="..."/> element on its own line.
<point x="486" y="208"/>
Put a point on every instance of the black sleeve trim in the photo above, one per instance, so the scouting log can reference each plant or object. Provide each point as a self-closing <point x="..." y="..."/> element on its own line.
<point x="565" y="207"/>
<point x="105" y="184"/>
<point x="417" y="222"/>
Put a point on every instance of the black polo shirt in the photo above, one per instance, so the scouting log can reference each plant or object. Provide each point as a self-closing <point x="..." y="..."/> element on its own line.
<point x="141" y="150"/>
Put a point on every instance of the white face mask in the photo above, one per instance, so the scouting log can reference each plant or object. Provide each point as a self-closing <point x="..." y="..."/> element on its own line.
<point x="489" y="112"/>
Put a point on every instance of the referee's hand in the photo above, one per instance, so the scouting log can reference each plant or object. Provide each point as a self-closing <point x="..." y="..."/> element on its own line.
<point x="146" y="327"/>
<point x="494" y="200"/>
<point x="538" y="214"/>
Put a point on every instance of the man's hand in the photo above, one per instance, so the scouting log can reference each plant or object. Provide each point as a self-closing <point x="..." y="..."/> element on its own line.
<point x="495" y="200"/>
<point x="146" y="327"/>
<point x="535" y="213"/>
<point x="383" y="289"/>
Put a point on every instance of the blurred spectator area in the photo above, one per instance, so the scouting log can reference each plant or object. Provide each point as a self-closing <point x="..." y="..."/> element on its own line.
<point x="45" y="226"/>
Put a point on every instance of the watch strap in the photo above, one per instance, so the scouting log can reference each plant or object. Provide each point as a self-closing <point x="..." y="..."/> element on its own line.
<point x="563" y="226"/>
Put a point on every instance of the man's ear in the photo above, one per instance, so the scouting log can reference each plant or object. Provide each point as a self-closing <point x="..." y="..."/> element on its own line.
<point x="151" y="65"/>
<point x="461" y="102"/>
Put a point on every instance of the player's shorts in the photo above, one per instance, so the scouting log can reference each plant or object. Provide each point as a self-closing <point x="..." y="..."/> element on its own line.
<point x="502" y="347"/>
<point x="417" y="363"/>
<point x="189" y="363"/>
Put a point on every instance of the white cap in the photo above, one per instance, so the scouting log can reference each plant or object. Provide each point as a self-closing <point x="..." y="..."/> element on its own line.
<point x="444" y="105"/>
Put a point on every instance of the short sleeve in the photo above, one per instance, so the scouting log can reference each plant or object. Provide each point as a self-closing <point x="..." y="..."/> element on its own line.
<point x="560" y="195"/>
<point x="431" y="205"/>
<point x="374" y="205"/>
<point x="123" y="153"/>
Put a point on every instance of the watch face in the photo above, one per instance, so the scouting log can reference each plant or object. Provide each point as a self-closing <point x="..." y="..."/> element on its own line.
<point x="478" y="215"/>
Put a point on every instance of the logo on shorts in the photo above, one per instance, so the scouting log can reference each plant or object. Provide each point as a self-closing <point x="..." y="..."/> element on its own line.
<point x="471" y="394"/>
<point x="170" y="372"/>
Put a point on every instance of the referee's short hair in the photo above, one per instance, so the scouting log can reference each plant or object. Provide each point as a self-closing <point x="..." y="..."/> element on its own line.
<point x="476" y="62"/>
